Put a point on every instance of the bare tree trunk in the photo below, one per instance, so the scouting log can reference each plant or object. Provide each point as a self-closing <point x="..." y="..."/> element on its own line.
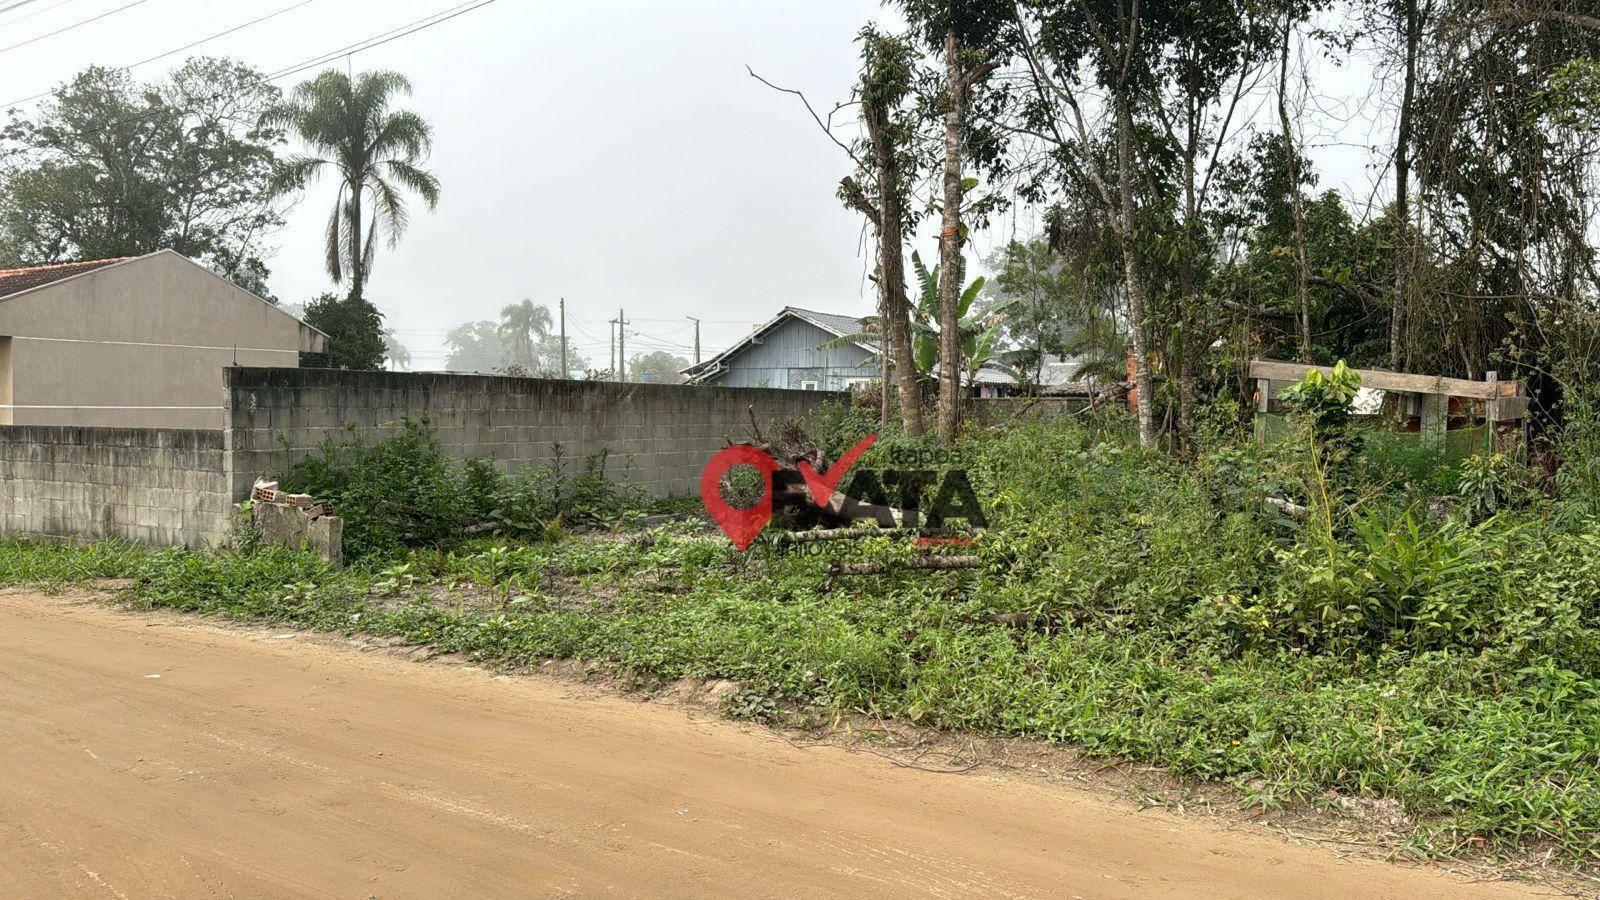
<point x="1188" y="290"/>
<point x="1294" y="193"/>
<point x="358" y="275"/>
<point x="950" y="245"/>
<point x="893" y="305"/>
<point x="1402" y="183"/>
<point x="1186" y="348"/>
<point x="1133" y="278"/>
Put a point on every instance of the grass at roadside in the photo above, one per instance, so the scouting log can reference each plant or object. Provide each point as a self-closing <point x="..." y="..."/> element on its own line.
<point x="1476" y="753"/>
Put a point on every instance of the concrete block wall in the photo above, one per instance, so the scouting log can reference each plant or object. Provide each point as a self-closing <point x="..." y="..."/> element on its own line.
<point x="659" y="436"/>
<point x="164" y="487"/>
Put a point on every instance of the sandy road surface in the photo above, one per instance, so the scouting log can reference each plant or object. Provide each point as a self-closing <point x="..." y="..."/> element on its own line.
<point x="259" y="765"/>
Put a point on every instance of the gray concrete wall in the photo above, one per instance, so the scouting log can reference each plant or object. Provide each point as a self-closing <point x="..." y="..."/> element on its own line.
<point x="164" y="487"/>
<point x="137" y="344"/>
<point x="660" y="435"/>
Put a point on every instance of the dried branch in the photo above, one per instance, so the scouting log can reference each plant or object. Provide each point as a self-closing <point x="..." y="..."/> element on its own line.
<point x="825" y="125"/>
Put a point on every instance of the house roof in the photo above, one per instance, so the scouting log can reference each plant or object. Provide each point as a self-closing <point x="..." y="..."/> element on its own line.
<point x="1056" y="374"/>
<point x="830" y="322"/>
<point x="15" y="281"/>
<point x="20" y="281"/>
<point x="833" y="323"/>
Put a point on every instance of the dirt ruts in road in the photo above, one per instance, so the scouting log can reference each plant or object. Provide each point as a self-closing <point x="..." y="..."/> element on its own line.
<point x="158" y="755"/>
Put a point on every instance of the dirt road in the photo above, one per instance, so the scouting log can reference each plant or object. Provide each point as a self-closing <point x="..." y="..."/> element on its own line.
<point x="145" y="756"/>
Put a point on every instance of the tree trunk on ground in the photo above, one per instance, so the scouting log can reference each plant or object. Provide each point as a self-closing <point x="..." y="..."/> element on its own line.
<point x="1404" y="256"/>
<point x="895" y="309"/>
<point x="950" y="246"/>
<point x="1301" y="289"/>
<point x="1133" y="278"/>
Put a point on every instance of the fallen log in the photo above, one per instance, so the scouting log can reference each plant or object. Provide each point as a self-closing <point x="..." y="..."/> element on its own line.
<point x="918" y="562"/>
<point x="1289" y="507"/>
<point x="845" y="534"/>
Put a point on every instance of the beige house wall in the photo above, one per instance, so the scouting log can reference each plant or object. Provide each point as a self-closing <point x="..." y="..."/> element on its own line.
<point x="138" y="344"/>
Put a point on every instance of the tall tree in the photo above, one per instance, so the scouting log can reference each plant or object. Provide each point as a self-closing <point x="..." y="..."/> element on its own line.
<point x="1049" y="303"/>
<point x="523" y="327"/>
<point x="657" y="367"/>
<point x="1213" y="51"/>
<point x="349" y="126"/>
<point x="1409" y="16"/>
<point x="474" y="347"/>
<point x="396" y="354"/>
<point x="887" y="71"/>
<point x="110" y="167"/>
<point x="969" y="35"/>
<point x="1291" y="21"/>
<point x="1116" y="42"/>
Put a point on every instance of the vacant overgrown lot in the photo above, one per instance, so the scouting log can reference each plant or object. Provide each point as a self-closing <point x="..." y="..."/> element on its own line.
<point x="1423" y="630"/>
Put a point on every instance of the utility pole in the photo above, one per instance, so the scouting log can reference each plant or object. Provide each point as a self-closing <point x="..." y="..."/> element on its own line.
<point x="613" y="359"/>
<point x="622" y="346"/>
<point x="565" y="372"/>
<point x="696" y="338"/>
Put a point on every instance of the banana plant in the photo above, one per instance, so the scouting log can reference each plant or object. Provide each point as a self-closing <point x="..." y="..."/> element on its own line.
<point x="980" y="330"/>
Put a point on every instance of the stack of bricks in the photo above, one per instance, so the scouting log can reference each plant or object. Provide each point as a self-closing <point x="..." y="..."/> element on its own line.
<point x="297" y="521"/>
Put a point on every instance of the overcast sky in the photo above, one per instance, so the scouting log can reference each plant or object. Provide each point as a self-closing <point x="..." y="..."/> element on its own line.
<point x="614" y="153"/>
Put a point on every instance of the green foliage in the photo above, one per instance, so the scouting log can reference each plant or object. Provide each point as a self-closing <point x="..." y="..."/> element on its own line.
<point x="355" y="332"/>
<point x="657" y="367"/>
<point x="1325" y="398"/>
<point x="523" y="342"/>
<point x="1444" y="660"/>
<point x="378" y="153"/>
<point x="404" y="491"/>
<point x="109" y="167"/>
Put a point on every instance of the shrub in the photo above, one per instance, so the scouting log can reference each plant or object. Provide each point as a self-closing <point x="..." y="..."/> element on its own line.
<point x="404" y="491"/>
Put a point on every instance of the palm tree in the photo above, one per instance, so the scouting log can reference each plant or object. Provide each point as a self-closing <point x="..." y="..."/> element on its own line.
<point x="522" y="327"/>
<point x="350" y="126"/>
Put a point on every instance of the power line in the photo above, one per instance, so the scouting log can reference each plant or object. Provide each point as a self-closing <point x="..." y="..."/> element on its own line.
<point x="64" y="30"/>
<point x="382" y="38"/>
<point x="189" y="46"/>
<point x="21" y="3"/>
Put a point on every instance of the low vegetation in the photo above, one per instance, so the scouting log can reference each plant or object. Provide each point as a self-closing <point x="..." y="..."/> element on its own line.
<point x="1414" y="628"/>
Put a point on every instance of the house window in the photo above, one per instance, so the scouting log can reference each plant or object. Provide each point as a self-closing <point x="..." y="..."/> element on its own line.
<point x="808" y="385"/>
<point x="856" y="384"/>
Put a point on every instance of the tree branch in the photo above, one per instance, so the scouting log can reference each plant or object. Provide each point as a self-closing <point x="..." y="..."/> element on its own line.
<point x="826" y="126"/>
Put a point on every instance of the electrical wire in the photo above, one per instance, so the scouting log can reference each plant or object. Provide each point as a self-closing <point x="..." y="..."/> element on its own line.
<point x="21" y="3"/>
<point x="385" y="37"/>
<point x="189" y="46"/>
<point x="64" y="30"/>
<point x="382" y="38"/>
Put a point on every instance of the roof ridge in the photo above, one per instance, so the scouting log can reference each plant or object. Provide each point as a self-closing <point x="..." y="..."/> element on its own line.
<point x="82" y="262"/>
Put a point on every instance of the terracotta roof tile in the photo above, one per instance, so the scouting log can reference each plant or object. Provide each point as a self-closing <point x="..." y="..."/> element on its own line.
<point x="13" y="281"/>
